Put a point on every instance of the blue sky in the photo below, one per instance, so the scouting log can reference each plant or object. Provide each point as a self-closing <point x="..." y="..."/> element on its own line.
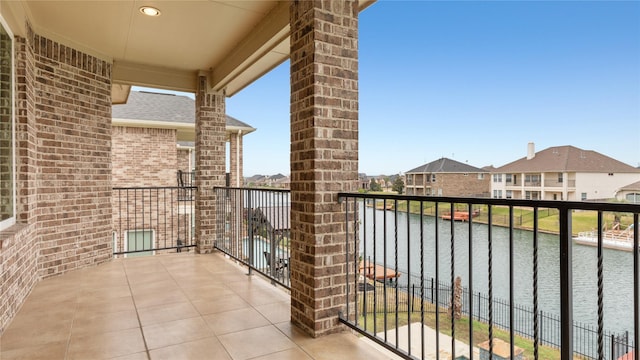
<point x="474" y="81"/>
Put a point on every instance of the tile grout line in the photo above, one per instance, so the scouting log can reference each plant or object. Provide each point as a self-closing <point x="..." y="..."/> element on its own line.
<point x="205" y="321"/>
<point x="73" y="321"/>
<point x="133" y="299"/>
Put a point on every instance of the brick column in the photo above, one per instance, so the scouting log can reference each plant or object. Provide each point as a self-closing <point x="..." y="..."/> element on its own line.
<point x="210" y="161"/>
<point x="324" y="157"/>
<point x="235" y="159"/>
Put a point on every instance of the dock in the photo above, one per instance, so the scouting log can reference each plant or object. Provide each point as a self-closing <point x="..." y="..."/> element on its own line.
<point x="459" y="215"/>
<point x="377" y="272"/>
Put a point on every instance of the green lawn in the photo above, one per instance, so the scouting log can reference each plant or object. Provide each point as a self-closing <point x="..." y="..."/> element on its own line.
<point x="548" y="219"/>
<point x="480" y="330"/>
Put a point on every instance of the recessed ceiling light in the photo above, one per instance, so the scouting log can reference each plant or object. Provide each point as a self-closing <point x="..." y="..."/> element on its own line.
<point x="150" y="11"/>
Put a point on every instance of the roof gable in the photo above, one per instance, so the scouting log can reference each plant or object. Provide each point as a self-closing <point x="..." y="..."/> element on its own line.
<point x="150" y="106"/>
<point x="567" y="159"/>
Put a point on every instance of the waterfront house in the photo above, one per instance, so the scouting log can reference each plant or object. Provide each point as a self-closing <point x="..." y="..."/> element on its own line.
<point x="629" y="193"/>
<point x="562" y="173"/>
<point x="447" y="177"/>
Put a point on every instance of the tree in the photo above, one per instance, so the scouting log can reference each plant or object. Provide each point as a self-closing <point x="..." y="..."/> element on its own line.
<point x="398" y="185"/>
<point x="374" y="186"/>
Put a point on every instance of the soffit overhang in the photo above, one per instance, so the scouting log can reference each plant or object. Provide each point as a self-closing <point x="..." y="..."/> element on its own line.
<point x="233" y="43"/>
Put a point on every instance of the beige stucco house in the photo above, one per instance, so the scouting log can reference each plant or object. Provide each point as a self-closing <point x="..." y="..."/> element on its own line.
<point x="629" y="193"/>
<point x="562" y="173"/>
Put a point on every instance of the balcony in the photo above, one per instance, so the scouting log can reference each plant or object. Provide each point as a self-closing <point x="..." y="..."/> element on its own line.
<point x="413" y="281"/>
<point x="175" y="306"/>
<point x="559" y="184"/>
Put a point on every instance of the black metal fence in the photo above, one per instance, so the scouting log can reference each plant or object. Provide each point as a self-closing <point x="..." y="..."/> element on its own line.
<point x="411" y="299"/>
<point x="153" y="219"/>
<point x="253" y="228"/>
<point x="186" y="178"/>
<point x="390" y="231"/>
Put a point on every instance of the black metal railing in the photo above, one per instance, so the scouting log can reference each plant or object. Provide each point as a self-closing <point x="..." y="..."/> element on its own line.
<point x="186" y="178"/>
<point x="153" y="219"/>
<point x="253" y="228"/>
<point x="585" y="335"/>
<point x="538" y="290"/>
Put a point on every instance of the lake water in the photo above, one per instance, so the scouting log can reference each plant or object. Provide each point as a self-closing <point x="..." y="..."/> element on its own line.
<point x="618" y="265"/>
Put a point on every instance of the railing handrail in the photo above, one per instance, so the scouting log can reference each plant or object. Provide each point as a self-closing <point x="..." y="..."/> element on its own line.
<point x="251" y="189"/>
<point x="373" y="238"/>
<point x="556" y="204"/>
<point x="153" y="187"/>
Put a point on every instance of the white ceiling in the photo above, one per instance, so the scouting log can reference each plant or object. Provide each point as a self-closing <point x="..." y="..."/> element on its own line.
<point x="226" y="39"/>
<point x="232" y="42"/>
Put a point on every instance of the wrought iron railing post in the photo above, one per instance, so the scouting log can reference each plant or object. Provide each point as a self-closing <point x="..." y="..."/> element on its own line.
<point x="636" y="287"/>
<point x="566" y="285"/>
<point x="250" y="234"/>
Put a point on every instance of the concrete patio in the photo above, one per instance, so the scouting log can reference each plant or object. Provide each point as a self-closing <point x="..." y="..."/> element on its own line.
<point x="177" y="306"/>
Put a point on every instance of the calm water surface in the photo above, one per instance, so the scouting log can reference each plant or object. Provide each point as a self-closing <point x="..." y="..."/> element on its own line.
<point x="618" y="265"/>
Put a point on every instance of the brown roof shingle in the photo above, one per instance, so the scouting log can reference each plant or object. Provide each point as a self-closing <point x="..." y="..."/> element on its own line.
<point x="567" y="159"/>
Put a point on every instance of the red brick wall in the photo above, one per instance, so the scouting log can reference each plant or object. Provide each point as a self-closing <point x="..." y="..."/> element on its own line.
<point x="235" y="161"/>
<point x="144" y="157"/>
<point x="450" y="184"/>
<point x="63" y="147"/>
<point x="18" y="275"/>
<point x="73" y="130"/>
<point x="183" y="159"/>
<point x="324" y="157"/>
<point x="210" y="157"/>
<point x="19" y="245"/>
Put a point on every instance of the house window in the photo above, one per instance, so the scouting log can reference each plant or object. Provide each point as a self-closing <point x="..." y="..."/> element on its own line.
<point x="509" y="194"/>
<point x="7" y="130"/>
<point x="560" y="178"/>
<point x="497" y="194"/>
<point x="480" y="176"/>
<point x="633" y="198"/>
<point x="583" y="196"/>
<point x="497" y="178"/>
<point x="137" y="240"/>
<point x="508" y="178"/>
<point x="532" y="195"/>
<point x="433" y="177"/>
<point x="532" y="180"/>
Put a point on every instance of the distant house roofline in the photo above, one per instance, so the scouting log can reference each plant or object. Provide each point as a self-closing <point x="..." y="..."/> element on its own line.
<point x="566" y="159"/>
<point x="446" y="165"/>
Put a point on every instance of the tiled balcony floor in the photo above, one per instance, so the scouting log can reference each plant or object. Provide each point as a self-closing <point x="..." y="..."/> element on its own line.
<point x="179" y="306"/>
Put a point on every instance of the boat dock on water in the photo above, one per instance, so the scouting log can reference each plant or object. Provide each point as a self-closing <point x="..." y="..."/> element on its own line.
<point x="459" y="215"/>
<point x="377" y="272"/>
<point x="611" y="239"/>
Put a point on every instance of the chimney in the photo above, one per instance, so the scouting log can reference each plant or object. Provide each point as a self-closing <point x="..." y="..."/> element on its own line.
<point x="531" y="151"/>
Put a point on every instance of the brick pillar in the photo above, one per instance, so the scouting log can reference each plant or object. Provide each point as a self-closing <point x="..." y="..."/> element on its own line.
<point x="236" y="198"/>
<point x="324" y="157"/>
<point x="235" y="159"/>
<point x="210" y="161"/>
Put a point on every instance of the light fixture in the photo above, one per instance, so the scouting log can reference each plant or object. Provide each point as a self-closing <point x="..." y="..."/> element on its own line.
<point x="150" y="11"/>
